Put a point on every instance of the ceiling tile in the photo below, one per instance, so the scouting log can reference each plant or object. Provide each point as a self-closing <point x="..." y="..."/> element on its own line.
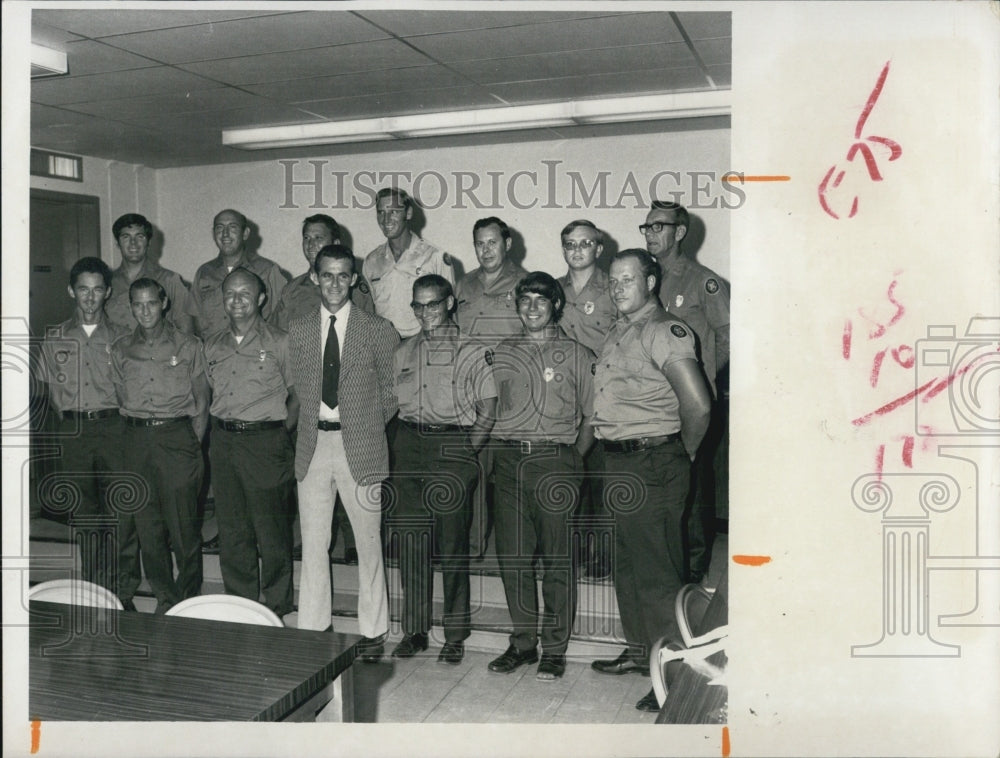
<point x="403" y="103"/>
<point x="116" y="84"/>
<point x="266" y="114"/>
<point x="573" y="35"/>
<point x="89" y="57"/>
<point x="707" y="25"/>
<point x="107" y="21"/>
<point x="716" y="51"/>
<point x="604" y="85"/>
<point x="721" y="75"/>
<point x="276" y="67"/>
<point x="133" y="108"/>
<point x="368" y="82"/>
<point x="409" y="23"/>
<point x="231" y="39"/>
<point x="50" y="36"/>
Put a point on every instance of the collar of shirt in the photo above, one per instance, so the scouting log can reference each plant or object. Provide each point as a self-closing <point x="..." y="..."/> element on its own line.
<point x="598" y="282"/>
<point x="169" y="334"/>
<point x="510" y="274"/>
<point x="220" y="264"/>
<point x="340" y="324"/>
<point x="74" y="323"/>
<point x="256" y="329"/>
<point x="640" y="315"/>
<point x="149" y="269"/>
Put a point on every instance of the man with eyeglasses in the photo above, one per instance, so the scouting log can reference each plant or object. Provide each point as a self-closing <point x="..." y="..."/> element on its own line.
<point x="392" y="267"/>
<point x="133" y="233"/>
<point x="587" y="317"/>
<point x="447" y="399"/>
<point x="651" y="411"/>
<point x="700" y="297"/>
<point x="487" y="310"/>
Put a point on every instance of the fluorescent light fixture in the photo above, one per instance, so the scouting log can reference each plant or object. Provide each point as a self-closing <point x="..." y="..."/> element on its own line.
<point x="484" y="120"/>
<point x="46" y="61"/>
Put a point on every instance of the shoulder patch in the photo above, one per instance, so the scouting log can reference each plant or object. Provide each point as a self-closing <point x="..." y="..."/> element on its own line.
<point x="712" y="286"/>
<point x="365" y="289"/>
<point x="593" y="369"/>
<point x="446" y="258"/>
<point x="678" y="330"/>
<point x="489" y="357"/>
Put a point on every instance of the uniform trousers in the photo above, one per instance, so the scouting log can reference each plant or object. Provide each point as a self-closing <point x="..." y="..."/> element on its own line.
<point x="536" y="494"/>
<point x="709" y="485"/>
<point x="169" y="458"/>
<point x="645" y="492"/>
<point x="595" y="535"/>
<point x="329" y="474"/>
<point x="91" y="458"/>
<point x="431" y="491"/>
<point x="252" y="475"/>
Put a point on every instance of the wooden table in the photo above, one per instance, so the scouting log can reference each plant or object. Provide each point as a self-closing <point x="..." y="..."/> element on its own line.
<point x="88" y="664"/>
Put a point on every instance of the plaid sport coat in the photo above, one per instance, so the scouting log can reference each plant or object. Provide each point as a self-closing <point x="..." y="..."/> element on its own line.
<point x="366" y="392"/>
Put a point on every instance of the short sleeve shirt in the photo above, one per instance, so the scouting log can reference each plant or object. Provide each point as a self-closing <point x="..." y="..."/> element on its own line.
<point x="589" y="313"/>
<point x="544" y="388"/>
<point x="119" y="309"/>
<point x="249" y="379"/>
<point x="77" y="368"/>
<point x="489" y="312"/>
<point x="207" y="289"/>
<point x="391" y="281"/>
<point x="156" y="377"/>
<point x="301" y="297"/>
<point x="440" y="377"/>
<point x="633" y="398"/>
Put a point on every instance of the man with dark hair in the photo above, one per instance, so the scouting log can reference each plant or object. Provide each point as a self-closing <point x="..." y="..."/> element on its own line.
<point x="392" y="267"/>
<point x="75" y="365"/>
<point x="230" y="232"/>
<point x="650" y="415"/>
<point x="544" y="383"/>
<point x="587" y="317"/>
<point x="133" y="233"/>
<point x="159" y="377"/>
<point x="700" y="297"/>
<point x="446" y="396"/>
<point x="342" y="371"/>
<point x="254" y="407"/>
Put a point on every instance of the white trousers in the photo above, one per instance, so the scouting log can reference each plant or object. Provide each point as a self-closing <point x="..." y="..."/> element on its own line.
<point x="329" y="473"/>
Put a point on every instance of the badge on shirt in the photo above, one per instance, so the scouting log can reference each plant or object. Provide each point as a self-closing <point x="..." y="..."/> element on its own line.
<point x="711" y="286"/>
<point x="679" y="301"/>
<point x="548" y="374"/>
<point x="593" y="369"/>
<point x="489" y="357"/>
<point x="678" y="330"/>
<point x="364" y="288"/>
<point x="173" y="360"/>
<point x="588" y="307"/>
<point x="263" y="355"/>
<point x="418" y="270"/>
<point x="446" y="259"/>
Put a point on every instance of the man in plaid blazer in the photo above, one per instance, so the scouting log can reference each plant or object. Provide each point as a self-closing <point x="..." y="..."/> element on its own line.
<point x="342" y="447"/>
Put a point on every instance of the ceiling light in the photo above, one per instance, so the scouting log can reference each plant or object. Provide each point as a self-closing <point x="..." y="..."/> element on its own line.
<point x="46" y="61"/>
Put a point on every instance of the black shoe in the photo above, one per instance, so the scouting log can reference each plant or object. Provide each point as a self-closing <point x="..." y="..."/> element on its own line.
<point x="512" y="659"/>
<point x="551" y="666"/>
<point x="371" y="649"/>
<point x="648" y="703"/>
<point x="452" y="653"/>
<point x="129" y="605"/>
<point x="623" y="664"/>
<point x="211" y="546"/>
<point x="351" y="556"/>
<point x="410" y="645"/>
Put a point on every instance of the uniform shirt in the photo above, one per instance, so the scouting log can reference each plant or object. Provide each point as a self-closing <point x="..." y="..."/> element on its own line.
<point x="207" y="289"/>
<point x="119" y="309"/>
<point x="633" y="399"/>
<point x="391" y="281"/>
<point x="300" y="296"/>
<point x="489" y="313"/>
<point x="544" y="388"/>
<point x="249" y="379"/>
<point x="440" y="377"/>
<point x="77" y="368"/>
<point x="589" y="313"/>
<point x="155" y="378"/>
<point x="698" y="296"/>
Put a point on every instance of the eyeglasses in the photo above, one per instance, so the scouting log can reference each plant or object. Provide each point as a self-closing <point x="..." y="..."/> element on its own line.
<point x="569" y="246"/>
<point x="432" y="305"/>
<point x="656" y="227"/>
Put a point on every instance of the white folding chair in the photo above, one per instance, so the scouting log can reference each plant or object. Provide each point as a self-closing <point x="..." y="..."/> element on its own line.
<point x="226" y="608"/>
<point x="75" y="592"/>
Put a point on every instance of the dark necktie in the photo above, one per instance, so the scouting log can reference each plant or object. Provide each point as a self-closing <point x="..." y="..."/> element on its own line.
<point x="331" y="365"/>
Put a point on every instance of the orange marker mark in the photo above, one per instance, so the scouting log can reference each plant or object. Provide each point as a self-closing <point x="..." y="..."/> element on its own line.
<point x="36" y="735"/>
<point x="751" y="560"/>
<point x="737" y="179"/>
<point x="725" y="742"/>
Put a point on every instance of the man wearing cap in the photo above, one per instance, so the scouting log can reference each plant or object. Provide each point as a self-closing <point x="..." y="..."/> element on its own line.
<point x="159" y="377"/>
<point x="133" y="233"/>
<point x="75" y="365"/>
<point x="254" y="406"/>
<point x="444" y="386"/>
<point x="651" y="409"/>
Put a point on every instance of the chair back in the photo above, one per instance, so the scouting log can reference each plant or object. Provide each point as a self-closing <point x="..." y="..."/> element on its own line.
<point x="226" y="608"/>
<point x="75" y="592"/>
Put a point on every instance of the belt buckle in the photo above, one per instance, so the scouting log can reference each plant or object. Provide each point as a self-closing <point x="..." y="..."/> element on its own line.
<point x="525" y="447"/>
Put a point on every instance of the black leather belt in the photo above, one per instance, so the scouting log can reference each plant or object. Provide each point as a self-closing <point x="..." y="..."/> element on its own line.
<point x="328" y="426"/>
<point x="91" y="415"/>
<point x="639" y="443"/>
<point x="136" y="421"/>
<point x="433" y="428"/>
<point x="527" y="447"/>
<point x="246" y="426"/>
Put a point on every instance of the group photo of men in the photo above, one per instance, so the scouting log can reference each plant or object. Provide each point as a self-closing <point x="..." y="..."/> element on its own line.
<point x="572" y="423"/>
